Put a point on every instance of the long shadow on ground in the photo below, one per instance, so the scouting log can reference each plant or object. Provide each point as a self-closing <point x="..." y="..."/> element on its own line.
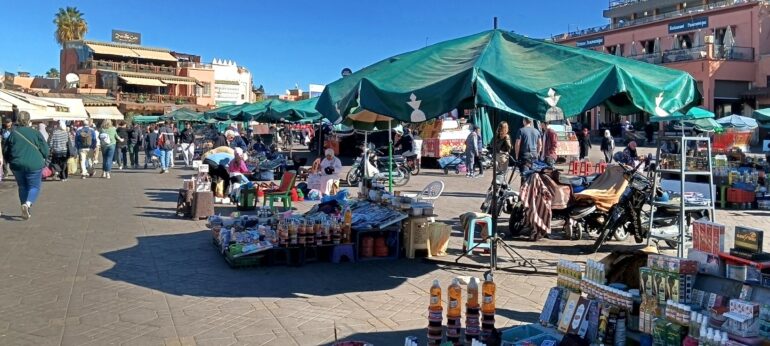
<point x="188" y="264"/>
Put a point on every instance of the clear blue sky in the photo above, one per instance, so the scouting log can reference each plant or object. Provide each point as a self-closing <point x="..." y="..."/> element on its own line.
<point x="284" y="42"/>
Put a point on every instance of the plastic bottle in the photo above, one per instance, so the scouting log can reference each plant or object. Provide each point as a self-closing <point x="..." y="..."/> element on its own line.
<point x="435" y="296"/>
<point x="473" y="294"/>
<point x="455" y="296"/>
<point x="693" y="324"/>
<point x="488" y="296"/>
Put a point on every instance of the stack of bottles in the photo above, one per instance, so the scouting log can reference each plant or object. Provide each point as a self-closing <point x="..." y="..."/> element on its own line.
<point x="487" y="309"/>
<point x="595" y="272"/>
<point x="472" y="312"/>
<point x="453" y="314"/>
<point x="435" y="315"/>
<point x="569" y="275"/>
<point x="480" y="319"/>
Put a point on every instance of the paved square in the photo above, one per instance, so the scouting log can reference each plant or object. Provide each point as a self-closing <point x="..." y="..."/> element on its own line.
<point x="107" y="262"/>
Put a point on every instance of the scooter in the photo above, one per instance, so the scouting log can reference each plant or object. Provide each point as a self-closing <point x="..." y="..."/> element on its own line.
<point x="377" y="169"/>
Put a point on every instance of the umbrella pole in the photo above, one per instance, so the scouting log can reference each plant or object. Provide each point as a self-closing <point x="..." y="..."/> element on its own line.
<point x="390" y="158"/>
<point x="320" y="145"/>
<point x="493" y="227"/>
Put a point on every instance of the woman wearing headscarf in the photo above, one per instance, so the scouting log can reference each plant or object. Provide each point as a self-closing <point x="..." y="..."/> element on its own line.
<point x="331" y="166"/>
<point x="26" y="150"/>
<point x="608" y="146"/>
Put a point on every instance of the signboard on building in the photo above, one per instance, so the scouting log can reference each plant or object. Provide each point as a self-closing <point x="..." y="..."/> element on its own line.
<point x="688" y="25"/>
<point x="121" y="36"/>
<point x="591" y="42"/>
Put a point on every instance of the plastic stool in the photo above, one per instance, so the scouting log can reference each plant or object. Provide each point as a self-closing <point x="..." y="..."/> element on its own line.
<point x="343" y="250"/>
<point x="470" y="240"/>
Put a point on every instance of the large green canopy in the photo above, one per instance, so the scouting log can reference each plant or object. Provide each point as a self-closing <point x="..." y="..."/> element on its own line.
<point x="145" y="119"/>
<point x="693" y="113"/>
<point x="256" y="110"/>
<point x="509" y="72"/>
<point x="222" y="113"/>
<point x="185" y="114"/>
<point x="302" y="111"/>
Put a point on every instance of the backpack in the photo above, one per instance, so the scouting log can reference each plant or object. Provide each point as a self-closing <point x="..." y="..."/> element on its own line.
<point x="166" y="140"/>
<point x="86" y="138"/>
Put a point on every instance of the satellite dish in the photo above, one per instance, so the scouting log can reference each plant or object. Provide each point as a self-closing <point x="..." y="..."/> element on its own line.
<point x="72" y="80"/>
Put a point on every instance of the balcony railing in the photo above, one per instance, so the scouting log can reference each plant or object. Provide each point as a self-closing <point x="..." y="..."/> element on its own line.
<point x="697" y="53"/>
<point x="190" y="64"/>
<point x="689" y="11"/>
<point x="128" y="67"/>
<point x="154" y="98"/>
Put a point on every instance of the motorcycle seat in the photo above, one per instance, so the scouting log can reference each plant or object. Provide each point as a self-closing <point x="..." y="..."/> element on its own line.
<point x="573" y="180"/>
<point x="582" y="209"/>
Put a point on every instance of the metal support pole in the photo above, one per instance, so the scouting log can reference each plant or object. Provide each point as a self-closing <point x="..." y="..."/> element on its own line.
<point x="493" y="230"/>
<point x="390" y="158"/>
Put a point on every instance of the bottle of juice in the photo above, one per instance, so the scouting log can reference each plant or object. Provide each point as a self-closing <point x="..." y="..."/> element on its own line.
<point x="454" y="293"/>
<point x="488" y="296"/>
<point x="435" y="296"/>
<point x="473" y="294"/>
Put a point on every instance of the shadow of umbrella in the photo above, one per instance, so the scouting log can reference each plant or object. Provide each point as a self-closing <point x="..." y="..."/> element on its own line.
<point x="187" y="264"/>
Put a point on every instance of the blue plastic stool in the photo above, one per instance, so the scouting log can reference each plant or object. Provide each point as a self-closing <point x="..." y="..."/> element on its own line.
<point x="343" y="250"/>
<point x="470" y="237"/>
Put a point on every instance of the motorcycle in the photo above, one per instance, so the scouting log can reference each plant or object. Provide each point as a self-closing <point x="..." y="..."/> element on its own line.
<point x="378" y="169"/>
<point x="506" y="197"/>
<point x="568" y="220"/>
<point x="625" y="215"/>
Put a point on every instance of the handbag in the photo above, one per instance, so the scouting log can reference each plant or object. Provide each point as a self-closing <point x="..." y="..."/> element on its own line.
<point x="47" y="172"/>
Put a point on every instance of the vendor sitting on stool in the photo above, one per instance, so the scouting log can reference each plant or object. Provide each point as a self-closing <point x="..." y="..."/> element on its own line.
<point x="217" y="159"/>
<point x="329" y="174"/>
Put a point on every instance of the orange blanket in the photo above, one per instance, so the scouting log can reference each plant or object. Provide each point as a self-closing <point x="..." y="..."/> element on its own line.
<point x="606" y="190"/>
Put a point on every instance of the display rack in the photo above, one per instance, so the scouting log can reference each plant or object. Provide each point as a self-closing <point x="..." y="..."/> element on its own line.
<point x="683" y="173"/>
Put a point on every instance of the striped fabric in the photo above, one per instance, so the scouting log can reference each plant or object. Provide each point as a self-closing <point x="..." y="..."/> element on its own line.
<point x="58" y="142"/>
<point x="536" y="197"/>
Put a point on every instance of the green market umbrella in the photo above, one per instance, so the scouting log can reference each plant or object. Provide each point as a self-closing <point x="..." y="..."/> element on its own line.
<point x="185" y="114"/>
<point x="295" y="112"/>
<point x="762" y="114"/>
<point x="222" y="113"/>
<point x="145" y="119"/>
<point x="738" y="122"/>
<point x="256" y="110"/>
<point x="693" y="113"/>
<point x="706" y="125"/>
<point x="509" y="72"/>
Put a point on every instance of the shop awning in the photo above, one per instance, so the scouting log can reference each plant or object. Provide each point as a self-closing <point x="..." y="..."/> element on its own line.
<point x="110" y="112"/>
<point x="35" y="111"/>
<point x="5" y="106"/>
<point x="72" y="109"/>
<point x="142" y="81"/>
<point x="180" y="82"/>
<point x="154" y="54"/>
<point x="112" y="50"/>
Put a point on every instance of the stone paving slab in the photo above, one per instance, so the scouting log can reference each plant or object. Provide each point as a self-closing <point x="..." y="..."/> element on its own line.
<point x="107" y="262"/>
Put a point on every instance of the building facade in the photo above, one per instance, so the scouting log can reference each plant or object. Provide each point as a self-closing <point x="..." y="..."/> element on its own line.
<point x="143" y="80"/>
<point x="723" y="44"/>
<point x="232" y="83"/>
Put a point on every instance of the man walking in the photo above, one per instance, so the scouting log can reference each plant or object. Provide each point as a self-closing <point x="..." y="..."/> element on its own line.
<point x="85" y="142"/>
<point x="150" y="144"/>
<point x="166" y="144"/>
<point x="188" y="144"/>
<point x="121" y="148"/>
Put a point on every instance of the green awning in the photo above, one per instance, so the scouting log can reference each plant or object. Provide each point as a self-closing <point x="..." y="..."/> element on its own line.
<point x="705" y="125"/>
<point x="516" y="74"/>
<point x="185" y="114"/>
<point x="145" y="119"/>
<point x="302" y="111"/>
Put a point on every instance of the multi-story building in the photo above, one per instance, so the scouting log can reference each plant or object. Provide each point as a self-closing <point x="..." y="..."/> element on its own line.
<point x="723" y="44"/>
<point x="232" y="83"/>
<point x="143" y="80"/>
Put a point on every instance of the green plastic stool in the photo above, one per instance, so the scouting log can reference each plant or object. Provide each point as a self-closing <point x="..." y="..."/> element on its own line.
<point x="286" y="201"/>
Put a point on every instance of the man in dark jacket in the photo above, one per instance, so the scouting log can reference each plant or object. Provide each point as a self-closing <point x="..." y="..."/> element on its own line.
<point x="121" y="147"/>
<point x="150" y="144"/>
<point x="134" y="145"/>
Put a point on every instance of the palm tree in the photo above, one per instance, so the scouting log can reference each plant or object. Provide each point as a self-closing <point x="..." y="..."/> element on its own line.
<point x="70" y="25"/>
<point x="52" y="73"/>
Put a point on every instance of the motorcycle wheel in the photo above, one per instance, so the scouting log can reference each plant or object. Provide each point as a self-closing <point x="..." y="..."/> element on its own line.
<point x="414" y="167"/>
<point x="621" y="234"/>
<point x="577" y="231"/>
<point x="353" y="177"/>
<point x="402" y="177"/>
<point x="610" y="227"/>
<point x="516" y="222"/>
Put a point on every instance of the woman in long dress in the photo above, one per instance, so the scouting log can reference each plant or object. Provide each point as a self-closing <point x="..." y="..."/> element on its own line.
<point x="331" y="167"/>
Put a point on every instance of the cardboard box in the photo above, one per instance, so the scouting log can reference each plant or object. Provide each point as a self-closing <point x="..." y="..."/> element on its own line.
<point x="748" y="239"/>
<point x="708" y="263"/>
<point x="708" y="236"/>
<point x="568" y="312"/>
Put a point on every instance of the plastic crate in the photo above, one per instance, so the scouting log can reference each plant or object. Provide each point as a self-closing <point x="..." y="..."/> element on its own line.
<point x="740" y="196"/>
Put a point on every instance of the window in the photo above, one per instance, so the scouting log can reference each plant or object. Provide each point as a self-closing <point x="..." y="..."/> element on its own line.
<point x="203" y="91"/>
